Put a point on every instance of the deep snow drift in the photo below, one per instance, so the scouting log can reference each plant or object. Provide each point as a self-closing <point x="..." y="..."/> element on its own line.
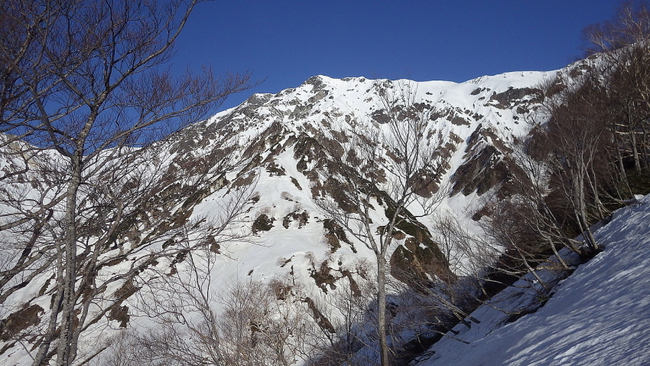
<point x="598" y="316"/>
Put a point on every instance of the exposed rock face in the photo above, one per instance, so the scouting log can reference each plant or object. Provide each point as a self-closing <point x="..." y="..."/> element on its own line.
<point x="514" y="97"/>
<point x="19" y="321"/>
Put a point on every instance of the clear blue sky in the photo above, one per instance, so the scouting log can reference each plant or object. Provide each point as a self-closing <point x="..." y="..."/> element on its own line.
<point x="287" y="41"/>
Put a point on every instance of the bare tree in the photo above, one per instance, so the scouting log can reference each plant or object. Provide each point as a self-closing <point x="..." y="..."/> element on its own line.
<point x="81" y="85"/>
<point x="342" y="322"/>
<point x="622" y="45"/>
<point x="466" y="253"/>
<point x="249" y="324"/>
<point x="524" y="223"/>
<point x="576" y="147"/>
<point x="408" y="170"/>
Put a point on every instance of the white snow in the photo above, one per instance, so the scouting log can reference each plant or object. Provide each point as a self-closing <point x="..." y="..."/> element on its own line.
<point x="598" y="316"/>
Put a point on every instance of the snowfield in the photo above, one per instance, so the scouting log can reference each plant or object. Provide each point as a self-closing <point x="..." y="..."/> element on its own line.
<point x="598" y="316"/>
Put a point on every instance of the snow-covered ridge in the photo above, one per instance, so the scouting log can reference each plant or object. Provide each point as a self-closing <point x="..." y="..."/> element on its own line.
<point x="355" y="96"/>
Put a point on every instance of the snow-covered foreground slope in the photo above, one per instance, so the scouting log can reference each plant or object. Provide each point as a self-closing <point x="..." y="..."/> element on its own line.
<point x="598" y="316"/>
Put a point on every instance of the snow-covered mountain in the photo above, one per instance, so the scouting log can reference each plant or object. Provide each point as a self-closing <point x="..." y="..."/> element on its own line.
<point x="293" y="144"/>
<point x="281" y="153"/>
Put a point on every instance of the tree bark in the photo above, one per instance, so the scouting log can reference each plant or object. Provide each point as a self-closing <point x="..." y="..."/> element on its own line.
<point x="67" y="345"/>
<point x="381" y="308"/>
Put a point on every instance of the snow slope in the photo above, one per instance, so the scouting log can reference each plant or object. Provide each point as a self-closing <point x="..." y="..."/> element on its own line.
<point x="598" y="316"/>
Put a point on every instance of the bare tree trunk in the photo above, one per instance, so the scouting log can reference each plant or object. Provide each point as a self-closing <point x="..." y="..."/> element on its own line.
<point x="67" y="344"/>
<point x="381" y="309"/>
<point x="557" y="255"/>
<point x="48" y="337"/>
<point x="635" y="151"/>
<point x="645" y="145"/>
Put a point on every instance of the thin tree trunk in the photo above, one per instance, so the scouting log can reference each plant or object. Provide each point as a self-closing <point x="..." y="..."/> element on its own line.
<point x="67" y="345"/>
<point x="557" y="254"/>
<point x="635" y="151"/>
<point x="528" y="266"/>
<point x="644" y="144"/>
<point x="631" y="133"/>
<point x="581" y="206"/>
<point x="621" y="167"/>
<point x="381" y="308"/>
<point x="48" y="337"/>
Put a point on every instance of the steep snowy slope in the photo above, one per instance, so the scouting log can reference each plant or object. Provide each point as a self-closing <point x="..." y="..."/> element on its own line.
<point x="598" y="316"/>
